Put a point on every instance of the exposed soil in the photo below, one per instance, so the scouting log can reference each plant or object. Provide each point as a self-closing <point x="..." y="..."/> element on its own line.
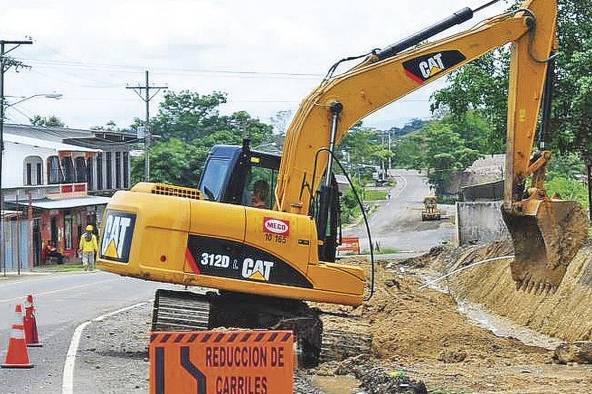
<point x="566" y="314"/>
<point x="420" y="333"/>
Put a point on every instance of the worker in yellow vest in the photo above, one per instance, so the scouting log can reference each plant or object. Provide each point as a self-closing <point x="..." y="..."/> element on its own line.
<point x="89" y="247"/>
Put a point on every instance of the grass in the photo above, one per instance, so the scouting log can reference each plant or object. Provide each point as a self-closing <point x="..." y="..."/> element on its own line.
<point x="385" y="250"/>
<point x="68" y="267"/>
<point x="374" y="195"/>
<point x="447" y="200"/>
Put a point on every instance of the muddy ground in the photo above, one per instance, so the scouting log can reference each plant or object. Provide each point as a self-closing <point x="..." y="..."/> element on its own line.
<point x="418" y="334"/>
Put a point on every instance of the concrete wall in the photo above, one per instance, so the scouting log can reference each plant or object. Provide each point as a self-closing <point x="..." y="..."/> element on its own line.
<point x="479" y="222"/>
<point x="13" y="168"/>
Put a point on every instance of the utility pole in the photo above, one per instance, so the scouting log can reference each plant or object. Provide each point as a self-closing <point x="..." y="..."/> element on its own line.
<point x="5" y="65"/>
<point x="390" y="151"/>
<point x="146" y="97"/>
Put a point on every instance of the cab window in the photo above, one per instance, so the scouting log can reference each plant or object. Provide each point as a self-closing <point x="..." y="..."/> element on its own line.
<point x="213" y="178"/>
<point x="259" y="188"/>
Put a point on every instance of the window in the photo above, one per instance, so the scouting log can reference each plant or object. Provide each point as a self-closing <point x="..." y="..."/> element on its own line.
<point x="126" y="170"/>
<point x="89" y="173"/>
<point x="68" y="168"/>
<point x="68" y="231"/>
<point x="32" y="171"/>
<point x="80" y="169"/>
<point x="39" y="167"/>
<point x="54" y="172"/>
<point x="28" y="180"/>
<point x="99" y="171"/>
<point x="211" y="185"/>
<point x="117" y="170"/>
<point x="54" y="231"/>
<point x="109" y="171"/>
<point x="259" y="188"/>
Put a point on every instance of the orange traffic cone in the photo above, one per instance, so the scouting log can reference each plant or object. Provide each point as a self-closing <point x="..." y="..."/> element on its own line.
<point x="17" y="355"/>
<point x="30" y="323"/>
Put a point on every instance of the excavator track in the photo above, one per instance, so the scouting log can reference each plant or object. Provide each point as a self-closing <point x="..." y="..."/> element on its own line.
<point x="187" y="310"/>
<point x="344" y="337"/>
<point x="180" y="311"/>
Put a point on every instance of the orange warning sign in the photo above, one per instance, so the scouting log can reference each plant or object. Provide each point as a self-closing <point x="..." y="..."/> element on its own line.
<point x="221" y="362"/>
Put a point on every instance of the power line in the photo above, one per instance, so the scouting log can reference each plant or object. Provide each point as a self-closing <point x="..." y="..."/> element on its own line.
<point x="134" y="68"/>
<point x="146" y="98"/>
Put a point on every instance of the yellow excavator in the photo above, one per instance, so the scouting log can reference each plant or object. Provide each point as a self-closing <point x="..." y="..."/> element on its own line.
<point x="262" y="229"/>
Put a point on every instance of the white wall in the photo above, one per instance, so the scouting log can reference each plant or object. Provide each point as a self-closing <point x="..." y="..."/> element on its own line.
<point x="13" y="162"/>
<point x="479" y="222"/>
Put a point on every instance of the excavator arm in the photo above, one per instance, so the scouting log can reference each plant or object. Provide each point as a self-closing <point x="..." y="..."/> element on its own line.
<point x="535" y="223"/>
<point x="384" y="78"/>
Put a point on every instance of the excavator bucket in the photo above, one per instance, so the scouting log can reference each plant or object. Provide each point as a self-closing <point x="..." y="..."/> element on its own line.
<point x="545" y="241"/>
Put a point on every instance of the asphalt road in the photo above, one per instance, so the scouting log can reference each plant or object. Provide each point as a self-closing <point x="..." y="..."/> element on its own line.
<point x="397" y="222"/>
<point x="63" y="301"/>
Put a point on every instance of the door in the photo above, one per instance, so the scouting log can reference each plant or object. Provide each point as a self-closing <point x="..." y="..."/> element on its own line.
<point x="36" y="242"/>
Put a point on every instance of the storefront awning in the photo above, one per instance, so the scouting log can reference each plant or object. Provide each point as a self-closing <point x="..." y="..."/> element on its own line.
<point x="67" y="202"/>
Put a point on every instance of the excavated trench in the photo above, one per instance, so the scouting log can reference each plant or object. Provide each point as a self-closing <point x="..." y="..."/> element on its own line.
<point x="566" y="315"/>
<point x="428" y="335"/>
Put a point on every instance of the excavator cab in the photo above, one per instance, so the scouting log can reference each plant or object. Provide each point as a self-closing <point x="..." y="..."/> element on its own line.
<point x="232" y="174"/>
<point x="238" y="175"/>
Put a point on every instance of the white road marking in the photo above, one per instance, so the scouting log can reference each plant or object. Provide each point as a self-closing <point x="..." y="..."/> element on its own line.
<point x="59" y="290"/>
<point x="404" y="186"/>
<point x="393" y="197"/>
<point x="44" y="276"/>
<point x="68" y="375"/>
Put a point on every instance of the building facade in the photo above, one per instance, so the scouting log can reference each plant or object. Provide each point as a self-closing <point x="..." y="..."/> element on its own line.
<point x="56" y="181"/>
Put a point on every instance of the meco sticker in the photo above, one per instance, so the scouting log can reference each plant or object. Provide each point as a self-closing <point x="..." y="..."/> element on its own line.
<point x="276" y="226"/>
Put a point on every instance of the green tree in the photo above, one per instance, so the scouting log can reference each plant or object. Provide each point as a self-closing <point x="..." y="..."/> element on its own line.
<point x="438" y="148"/>
<point x="445" y="153"/>
<point x="109" y="126"/>
<point x="172" y="161"/>
<point x="47" y="121"/>
<point x="364" y="146"/>
<point x="187" y="115"/>
<point x="478" y="91"/>
<point x="189" y="124"/>
<point x="482" y="86"/>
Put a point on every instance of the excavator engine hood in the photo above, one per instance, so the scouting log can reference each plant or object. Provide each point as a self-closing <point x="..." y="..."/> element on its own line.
<point x="546" y="235"/>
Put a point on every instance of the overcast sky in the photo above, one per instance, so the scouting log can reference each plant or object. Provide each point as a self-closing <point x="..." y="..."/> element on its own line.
<point x="267" y="55"/>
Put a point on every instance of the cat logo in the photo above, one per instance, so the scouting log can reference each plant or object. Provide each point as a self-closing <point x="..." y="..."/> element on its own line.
<point x="427" y="66"/>
<point x="257" y="269"/>
<point x="117" y="236"/>
<point x="432" y="66"/>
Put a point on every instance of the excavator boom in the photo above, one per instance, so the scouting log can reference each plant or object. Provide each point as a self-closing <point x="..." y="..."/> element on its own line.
<point x="537" y="223"/>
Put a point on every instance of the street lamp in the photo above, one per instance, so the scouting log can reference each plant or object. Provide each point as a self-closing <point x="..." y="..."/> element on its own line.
<point x="55" y="96"/>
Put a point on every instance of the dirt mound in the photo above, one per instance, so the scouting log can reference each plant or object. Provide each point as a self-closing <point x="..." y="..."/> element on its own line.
<point x="410" y="324"/>
<point x="576" y="352"/>
<point x="419" y="332"/>
<point x="567" y="314"/>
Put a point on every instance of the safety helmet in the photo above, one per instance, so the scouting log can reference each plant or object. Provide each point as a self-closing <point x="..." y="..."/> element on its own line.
<point x="89" y="227"/>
